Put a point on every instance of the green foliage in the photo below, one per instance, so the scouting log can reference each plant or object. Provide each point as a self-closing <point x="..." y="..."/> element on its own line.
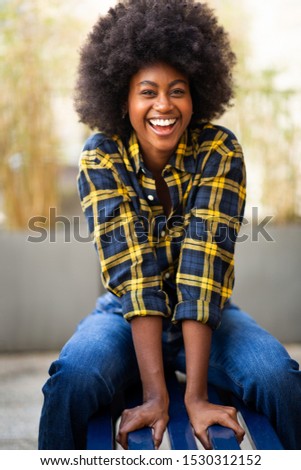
<point x="266" y="119"/>
<point x="35" y="68"/>
<point x="271" y="135"/>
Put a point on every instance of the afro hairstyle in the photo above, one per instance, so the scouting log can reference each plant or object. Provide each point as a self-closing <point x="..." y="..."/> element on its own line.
<point x="136" y="33"/>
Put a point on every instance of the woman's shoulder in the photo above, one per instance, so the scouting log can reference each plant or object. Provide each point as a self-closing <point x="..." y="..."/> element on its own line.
<point x="101" y="150"/>
<point x="208" y="131"/>
<point x="101" y="142"/>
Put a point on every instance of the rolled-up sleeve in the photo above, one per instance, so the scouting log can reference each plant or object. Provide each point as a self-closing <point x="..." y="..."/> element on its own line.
<point x="205" y="275"/>
<point x="129" y="267"/>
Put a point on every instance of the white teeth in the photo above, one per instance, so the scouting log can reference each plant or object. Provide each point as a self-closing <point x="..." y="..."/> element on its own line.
<point x="162" y="122"/>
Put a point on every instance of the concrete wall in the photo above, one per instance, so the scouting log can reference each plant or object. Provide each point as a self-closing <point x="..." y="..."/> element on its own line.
<point x="268" y="280"/>
<point x="46" y="288"/>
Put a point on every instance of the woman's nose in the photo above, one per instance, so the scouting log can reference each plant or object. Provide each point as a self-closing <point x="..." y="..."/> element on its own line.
<point x="163" y="103"/>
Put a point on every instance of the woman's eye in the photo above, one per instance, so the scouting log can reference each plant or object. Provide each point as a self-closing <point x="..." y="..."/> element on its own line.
<point x="178" y="92"/>
<point x="148" y="93"/>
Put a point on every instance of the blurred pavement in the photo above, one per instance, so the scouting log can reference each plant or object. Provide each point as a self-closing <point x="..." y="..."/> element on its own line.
<point x="21" y="379"/>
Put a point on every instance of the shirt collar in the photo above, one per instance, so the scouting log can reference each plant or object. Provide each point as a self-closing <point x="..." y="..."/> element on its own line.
<point x="184" y="158"/>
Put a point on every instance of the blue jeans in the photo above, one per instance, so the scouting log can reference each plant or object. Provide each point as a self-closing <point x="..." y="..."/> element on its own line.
<point x="99" y="360"/>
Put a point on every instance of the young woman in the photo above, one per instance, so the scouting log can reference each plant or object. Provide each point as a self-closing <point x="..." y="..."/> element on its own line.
<point x="163" y="190"/>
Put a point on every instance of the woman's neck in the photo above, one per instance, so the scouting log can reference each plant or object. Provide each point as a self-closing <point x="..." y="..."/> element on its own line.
<point x="156" y="161"/>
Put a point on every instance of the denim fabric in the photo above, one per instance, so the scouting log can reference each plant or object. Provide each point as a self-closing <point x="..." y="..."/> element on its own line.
<point x="99" y="360"/>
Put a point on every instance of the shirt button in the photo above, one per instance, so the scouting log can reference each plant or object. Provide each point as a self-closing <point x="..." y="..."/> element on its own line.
<point x="167" y="276"/>
<point x="163" y="233"/>
<point x="150" y="197"/>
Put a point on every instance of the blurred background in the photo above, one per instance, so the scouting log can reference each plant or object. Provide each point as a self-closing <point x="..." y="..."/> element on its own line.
<point x="49" y="273"/>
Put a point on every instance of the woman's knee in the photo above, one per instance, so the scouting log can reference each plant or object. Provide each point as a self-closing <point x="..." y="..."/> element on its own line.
<point x="78" y="382"/>
<point x="256" y="359"/>
<point x="272" y="377"/>
<point x="97" y="360"/>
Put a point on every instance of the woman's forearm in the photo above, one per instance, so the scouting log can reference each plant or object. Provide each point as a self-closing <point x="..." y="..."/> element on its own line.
<point x="202" y="414"/>
<point x="147" y="337"/>
<point x="197" y="342"/>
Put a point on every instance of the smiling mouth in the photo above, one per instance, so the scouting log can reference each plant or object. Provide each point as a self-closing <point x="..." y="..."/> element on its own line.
<point x="162" y="126"/>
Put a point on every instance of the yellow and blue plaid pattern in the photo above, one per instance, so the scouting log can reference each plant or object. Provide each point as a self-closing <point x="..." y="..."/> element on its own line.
<point x="181" y="265"/>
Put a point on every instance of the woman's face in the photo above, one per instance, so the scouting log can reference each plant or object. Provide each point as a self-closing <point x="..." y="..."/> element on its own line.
<point x="159" y="107"/>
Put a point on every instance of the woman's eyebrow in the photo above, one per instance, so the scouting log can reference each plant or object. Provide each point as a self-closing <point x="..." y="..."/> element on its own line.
<point x="174" y="82"/>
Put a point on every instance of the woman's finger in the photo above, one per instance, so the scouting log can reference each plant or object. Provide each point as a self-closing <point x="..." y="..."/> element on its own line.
<point x="204" y="439"/>
<point x="158" y="431"/>
<point x="229" y="422"/>
<point x="130" y="421"/>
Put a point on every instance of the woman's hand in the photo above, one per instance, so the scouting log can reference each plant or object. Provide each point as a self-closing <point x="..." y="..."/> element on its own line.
<point x="203" y="414"/>
<point x="153" y="414"/>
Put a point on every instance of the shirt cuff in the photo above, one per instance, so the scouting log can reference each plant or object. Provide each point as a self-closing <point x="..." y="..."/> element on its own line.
<point x="198" y="310"/>
<point x="141" y="303"/>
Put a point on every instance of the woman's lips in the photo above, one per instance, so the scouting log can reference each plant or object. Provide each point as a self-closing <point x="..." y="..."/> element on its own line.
<point x="162" y="126"/>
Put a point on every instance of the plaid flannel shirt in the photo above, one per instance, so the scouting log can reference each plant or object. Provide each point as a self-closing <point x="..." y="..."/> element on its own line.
<point x="181" y="265"/>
